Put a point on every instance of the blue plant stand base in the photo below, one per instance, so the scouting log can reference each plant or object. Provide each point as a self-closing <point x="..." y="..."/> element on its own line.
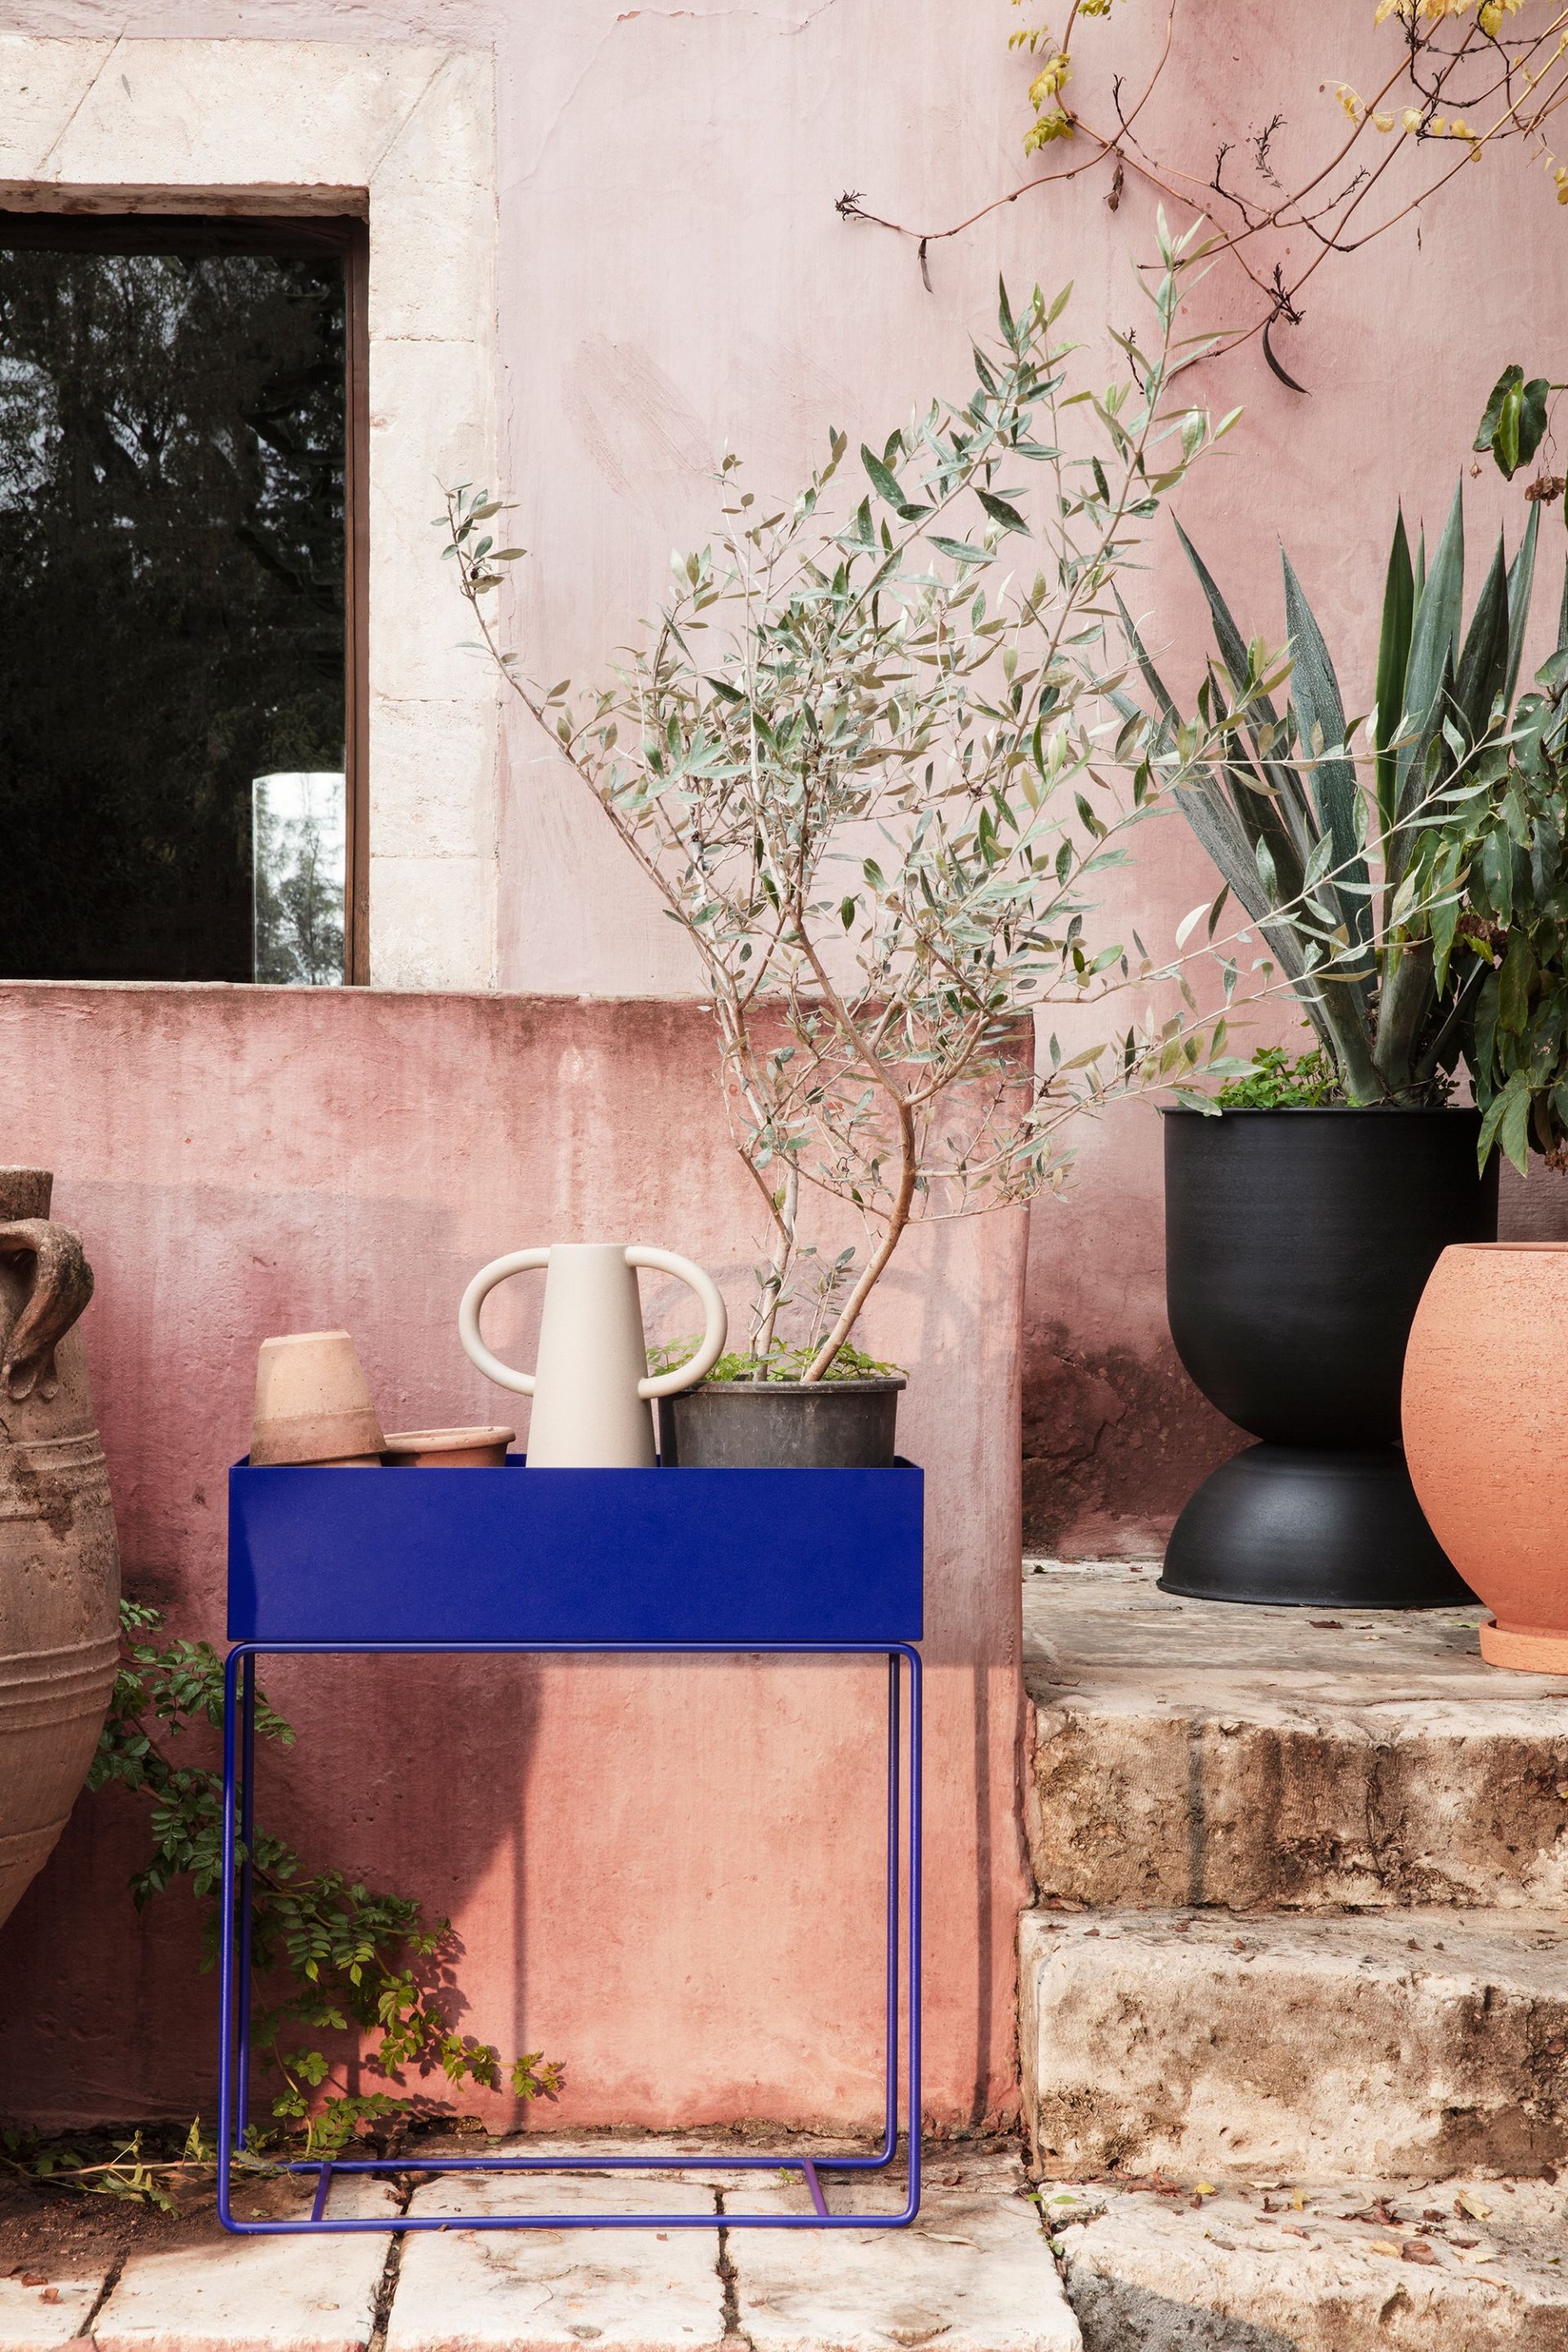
<point x="331" y="1563"/>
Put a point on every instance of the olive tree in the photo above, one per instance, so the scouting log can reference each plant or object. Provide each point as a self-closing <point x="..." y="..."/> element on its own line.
<point x="869" y="757"/>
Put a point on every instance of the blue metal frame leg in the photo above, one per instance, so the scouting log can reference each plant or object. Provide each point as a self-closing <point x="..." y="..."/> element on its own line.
<point x="235" y="1972"/>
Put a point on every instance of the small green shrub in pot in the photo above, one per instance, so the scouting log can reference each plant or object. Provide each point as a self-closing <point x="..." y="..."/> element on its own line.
<point x="1508" y="839"/>
<point x="754" y="1412"/>
<point x="1272" y="1081"/>
<point x="868" y="757"/>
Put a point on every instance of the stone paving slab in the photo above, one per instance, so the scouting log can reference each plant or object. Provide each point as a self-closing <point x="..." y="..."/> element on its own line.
<point x="559" y="2290"/>
<point x="1188" y="1751"/>
<point x="41" y="2317"/>
<point x="255" y="2294"/>
<point x="1337" y="2271"/>
<point x="1403" y="2044"/>
<point x="972" y="2273"/>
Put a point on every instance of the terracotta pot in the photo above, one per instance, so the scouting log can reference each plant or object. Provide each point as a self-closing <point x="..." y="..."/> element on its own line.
<point x="1486" y="1437"/>
<point x="313" y="1402"/>
<point x="60" y="1562"/>
<point x="447" y="1449"/>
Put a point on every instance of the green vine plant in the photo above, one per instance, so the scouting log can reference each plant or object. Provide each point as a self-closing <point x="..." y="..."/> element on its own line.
<point x="346" y="1965"/>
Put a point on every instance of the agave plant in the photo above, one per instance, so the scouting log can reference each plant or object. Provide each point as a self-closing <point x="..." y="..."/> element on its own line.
<point x="1336" y="853"/>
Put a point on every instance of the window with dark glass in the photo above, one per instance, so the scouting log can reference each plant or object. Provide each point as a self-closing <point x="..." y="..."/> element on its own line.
<point x="178" y="735"/>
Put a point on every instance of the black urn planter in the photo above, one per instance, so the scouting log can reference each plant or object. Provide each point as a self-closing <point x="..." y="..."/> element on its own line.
<point x="1298" y="1243"/>
<point x="781" y="1424"/>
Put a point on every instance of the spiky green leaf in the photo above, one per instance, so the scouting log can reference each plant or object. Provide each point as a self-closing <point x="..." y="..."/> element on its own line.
<point x="1393" y="658"/>
<point x="1320" y="725"/>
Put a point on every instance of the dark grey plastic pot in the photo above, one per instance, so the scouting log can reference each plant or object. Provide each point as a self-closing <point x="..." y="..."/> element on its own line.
<point x="781" y="1424"/>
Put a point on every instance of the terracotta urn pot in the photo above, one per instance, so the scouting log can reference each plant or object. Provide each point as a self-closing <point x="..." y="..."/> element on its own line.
<point x="60" y="1562"/>
<point x="1486" y="1437"/>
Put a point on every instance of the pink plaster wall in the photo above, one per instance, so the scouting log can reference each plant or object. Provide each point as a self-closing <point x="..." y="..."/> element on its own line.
<point x="687" y="285"/>
<point x="665" y="1876"/>
<point x="677" y="281"/>
<point x="674" y="278"/>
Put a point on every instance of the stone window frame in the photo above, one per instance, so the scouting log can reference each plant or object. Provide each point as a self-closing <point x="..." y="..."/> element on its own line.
<point x="404" y="135"/>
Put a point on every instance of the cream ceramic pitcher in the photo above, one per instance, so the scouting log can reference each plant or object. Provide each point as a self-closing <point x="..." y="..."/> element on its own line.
<point x="591" y="1387"/>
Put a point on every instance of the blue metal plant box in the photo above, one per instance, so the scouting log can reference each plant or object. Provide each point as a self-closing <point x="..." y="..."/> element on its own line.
<point x="712" y="1556"/>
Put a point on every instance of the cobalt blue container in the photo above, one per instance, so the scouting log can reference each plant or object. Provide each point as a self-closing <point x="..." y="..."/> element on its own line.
<point x="724" y="1556"/>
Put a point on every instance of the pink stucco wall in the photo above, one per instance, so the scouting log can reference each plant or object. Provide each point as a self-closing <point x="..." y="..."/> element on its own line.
<point x="666" y="206"/>
<point x="664" y="1874"/>
<point x="674" y="279"/>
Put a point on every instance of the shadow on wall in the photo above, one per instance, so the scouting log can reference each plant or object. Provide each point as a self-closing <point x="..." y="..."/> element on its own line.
<point x="1115" y="1438"/>
<point x="1113" y="1444"/>
<point x="1532" y="1208"/>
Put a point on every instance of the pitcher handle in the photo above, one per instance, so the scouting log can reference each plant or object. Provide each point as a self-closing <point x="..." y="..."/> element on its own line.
<point x="685" y="1376"/>
<point x="474" y="1297"/>
<point x="62" y="1285"/>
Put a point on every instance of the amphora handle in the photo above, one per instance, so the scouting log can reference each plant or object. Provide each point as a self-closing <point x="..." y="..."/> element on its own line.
<point x="60" y="1288"/>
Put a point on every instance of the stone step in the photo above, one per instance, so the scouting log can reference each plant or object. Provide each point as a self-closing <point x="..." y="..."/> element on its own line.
<point x="1414" y="2042"/>
<point x="1196" y="1752"/>
<point x="1358" y="2266"/>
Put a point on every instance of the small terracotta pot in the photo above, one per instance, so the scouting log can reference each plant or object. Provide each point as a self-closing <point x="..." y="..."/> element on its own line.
<point x="447" y="1449"/>
<point x="1486" y="1437"/>
<point x="313" y="1402"/>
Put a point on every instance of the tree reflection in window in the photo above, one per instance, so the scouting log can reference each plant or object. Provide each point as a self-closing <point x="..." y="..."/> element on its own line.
<point x="172" y="592"/>
<point x="299" y="869"/>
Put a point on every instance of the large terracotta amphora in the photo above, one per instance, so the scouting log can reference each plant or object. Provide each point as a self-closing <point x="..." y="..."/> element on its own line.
<point x="59" y="1561"/>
